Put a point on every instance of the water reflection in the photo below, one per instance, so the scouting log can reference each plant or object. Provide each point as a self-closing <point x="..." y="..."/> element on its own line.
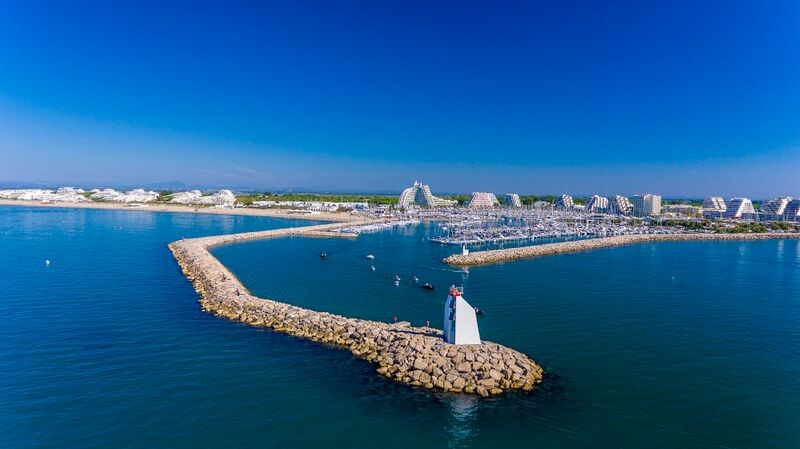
<point x="461" y="422"/>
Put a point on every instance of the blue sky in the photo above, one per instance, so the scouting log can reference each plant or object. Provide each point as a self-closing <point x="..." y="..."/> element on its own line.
<point x="678" y="98"/>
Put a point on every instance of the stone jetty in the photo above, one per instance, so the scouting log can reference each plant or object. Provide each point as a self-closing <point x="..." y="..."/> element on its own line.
<point x="413" y="355"/>
<point x="547" y="249"/>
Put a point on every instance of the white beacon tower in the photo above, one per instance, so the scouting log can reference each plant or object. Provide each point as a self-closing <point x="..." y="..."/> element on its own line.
<point x="460" y="320"/>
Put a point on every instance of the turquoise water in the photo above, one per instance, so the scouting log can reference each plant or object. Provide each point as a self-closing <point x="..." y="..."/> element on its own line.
<point x="686" y="344"/>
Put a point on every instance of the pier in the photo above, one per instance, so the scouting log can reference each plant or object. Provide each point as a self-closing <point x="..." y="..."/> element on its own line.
<point x="526" y="252"/>
<point x="417" y="356"/>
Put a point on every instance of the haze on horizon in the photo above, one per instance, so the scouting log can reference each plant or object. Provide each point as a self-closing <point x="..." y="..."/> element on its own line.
<point x="681" y="98"/>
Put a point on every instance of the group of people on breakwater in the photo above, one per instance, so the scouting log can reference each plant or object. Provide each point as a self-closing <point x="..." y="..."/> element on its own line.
<point x="413" y="355"/>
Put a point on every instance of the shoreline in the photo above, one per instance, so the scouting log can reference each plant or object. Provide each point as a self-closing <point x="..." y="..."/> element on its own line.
<point x="179" y="208"/>
<point x="416" y="356"/>
<point x="489" y="257"/>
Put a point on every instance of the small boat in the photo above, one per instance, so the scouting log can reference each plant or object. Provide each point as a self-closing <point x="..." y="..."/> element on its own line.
<point x="427" y="286"/>
<point x="397" y="278"/>
<point x="372" y="267"/>
<point x="323" y="256"/>
<point x="478" y="311"/>
<point x="370" y="256"/>
<point x="414" y="278"/>
<point x="396" y="282"/>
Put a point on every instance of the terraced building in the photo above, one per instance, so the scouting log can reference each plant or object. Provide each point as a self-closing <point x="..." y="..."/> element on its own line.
<point x="421" y="194"/>
<point x="483" y="199"/>
<point x="775" y="208"/>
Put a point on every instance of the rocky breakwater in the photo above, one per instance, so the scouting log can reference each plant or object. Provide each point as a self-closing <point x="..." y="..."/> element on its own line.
<point x="525" y="252"/>
<point x="413" y="355"/>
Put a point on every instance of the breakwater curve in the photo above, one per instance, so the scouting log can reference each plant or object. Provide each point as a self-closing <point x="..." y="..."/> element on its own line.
<point x="416" y="356"/>
<point x="547" y="249"/>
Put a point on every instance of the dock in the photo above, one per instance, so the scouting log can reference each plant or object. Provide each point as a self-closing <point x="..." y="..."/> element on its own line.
<point x="527" y="252"/>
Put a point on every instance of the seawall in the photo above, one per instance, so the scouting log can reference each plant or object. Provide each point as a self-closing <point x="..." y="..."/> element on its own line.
<point x="526" y="252"/>
<point x="413" y="355"/>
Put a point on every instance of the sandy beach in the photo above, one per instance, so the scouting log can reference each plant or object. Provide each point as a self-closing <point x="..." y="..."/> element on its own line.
<point x="278" y="213"/>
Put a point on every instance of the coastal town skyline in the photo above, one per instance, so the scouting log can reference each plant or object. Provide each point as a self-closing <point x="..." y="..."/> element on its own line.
<point x="526" y="97"/>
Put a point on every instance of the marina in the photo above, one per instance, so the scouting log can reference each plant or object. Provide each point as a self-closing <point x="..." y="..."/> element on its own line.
<point x="380" y="225"/>
<point x="416" y="356"/>
<point x="500" y="226"/>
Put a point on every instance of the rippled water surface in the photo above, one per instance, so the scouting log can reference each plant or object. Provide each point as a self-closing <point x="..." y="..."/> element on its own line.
<point x="684" y="344"/>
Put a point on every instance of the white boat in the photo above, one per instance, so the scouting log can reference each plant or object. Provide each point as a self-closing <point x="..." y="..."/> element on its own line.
<point x="370" y="256"/>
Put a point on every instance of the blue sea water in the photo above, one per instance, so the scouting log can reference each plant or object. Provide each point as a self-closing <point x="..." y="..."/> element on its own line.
<point x="684" y="344"/>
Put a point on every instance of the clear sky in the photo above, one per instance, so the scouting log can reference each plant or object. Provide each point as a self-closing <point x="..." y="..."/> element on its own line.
<point x="679" y="98"/>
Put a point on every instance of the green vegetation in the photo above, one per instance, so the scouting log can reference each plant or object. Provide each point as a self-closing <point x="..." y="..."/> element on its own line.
<point x="733" y="228"/>
<point x="528" y="200"/>
<point x="462" y="199"/>
<point x="164" y="196"/>
<point x="691" y="202"/>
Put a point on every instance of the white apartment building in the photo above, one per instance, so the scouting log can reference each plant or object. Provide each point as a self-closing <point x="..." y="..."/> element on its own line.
<point x="646" y="205"/>
<point x="597" y="203"/>
<point x="483" y="199"/>
<point x="621" y="205"/>
<point x="565" y="202"/>
<point x="421" y="194"/>
<point x="739" y="207"/>
<point x="512" y="200"/>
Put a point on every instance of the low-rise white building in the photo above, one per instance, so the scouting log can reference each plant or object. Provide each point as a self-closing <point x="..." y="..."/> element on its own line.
<point x="188" y="197"/>
<point x="222" y="198"/>
<point x="132" y="196"/>
<point x="316" y="206"/>
<point x="65" y="194"/>
<point x="542" y="205"/>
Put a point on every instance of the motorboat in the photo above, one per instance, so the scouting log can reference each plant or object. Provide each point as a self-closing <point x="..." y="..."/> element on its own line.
<point x="427" y="286"/>
<point x="414" y="278"/>
<point x="370" y="256"/>
<point x="372" y="267"/>
<point x="323" y="256"/>
<point x="478" y="311"/>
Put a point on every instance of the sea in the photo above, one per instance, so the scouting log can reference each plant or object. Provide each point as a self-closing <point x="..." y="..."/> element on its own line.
<point x="659" y="345"/>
